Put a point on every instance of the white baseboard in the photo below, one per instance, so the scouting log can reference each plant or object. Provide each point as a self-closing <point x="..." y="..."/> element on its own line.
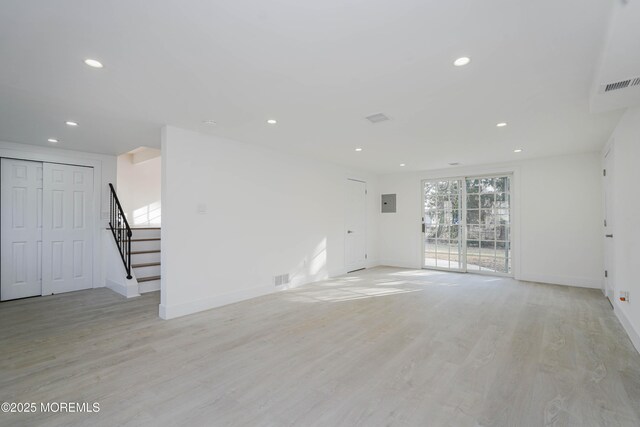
<point x="628" y="327"/>
<point x="372" y="263"/>
<point x="129" y="290"/>
<point x="580" y="282"/>
<point x="399" y="264"/>
<point x="173" y="311"/>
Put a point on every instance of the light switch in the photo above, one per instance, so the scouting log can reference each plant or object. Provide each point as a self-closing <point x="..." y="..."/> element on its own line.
<point x="202" y="208"/>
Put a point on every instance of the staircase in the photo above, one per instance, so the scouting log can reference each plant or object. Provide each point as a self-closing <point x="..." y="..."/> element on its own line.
<point x="145" y="258"/>
<point x="139" y="249"/>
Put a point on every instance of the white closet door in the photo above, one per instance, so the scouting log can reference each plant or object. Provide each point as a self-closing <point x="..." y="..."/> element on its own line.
<point x="21" y="229"/>
<point x="67" y="260"/>
<point x="356" y="226"/>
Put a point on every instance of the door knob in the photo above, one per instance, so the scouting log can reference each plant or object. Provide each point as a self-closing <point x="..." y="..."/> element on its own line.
<point x="349" y="231"/>
<point x="608" y="235"/>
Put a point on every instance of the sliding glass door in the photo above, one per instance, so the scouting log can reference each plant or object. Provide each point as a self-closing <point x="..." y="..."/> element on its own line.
<point x="467" y="224"/>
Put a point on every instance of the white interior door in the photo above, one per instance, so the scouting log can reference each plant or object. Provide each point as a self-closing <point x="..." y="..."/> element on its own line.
<point x="21" y="229"/>
<point x="608" y="225"/>
<point x="67" y="254"/>
<point x="356" y="225"/>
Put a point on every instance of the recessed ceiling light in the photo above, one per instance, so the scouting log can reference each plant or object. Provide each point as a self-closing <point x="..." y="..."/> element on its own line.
<point x="210" y="122"/>
<point x="358" y="149"/>
<point x="52" y="140"/>
<point x="70" y="123"/>
<point x="402" y="164"/>
<point x="501" y="124"/>
<point x="461" y="61"/>
<point x="518" y="150"/>
<point x="272" y="121"/>
<point x="94" y="63"/>
<point x="454" y="163"/>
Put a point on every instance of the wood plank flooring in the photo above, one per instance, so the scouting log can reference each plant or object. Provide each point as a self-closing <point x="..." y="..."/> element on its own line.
<point x="378" y="347"/>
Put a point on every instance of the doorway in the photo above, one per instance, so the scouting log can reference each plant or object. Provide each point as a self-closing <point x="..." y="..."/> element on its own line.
<point x="608" y="177"/>
<point x="467" y="224"/>
<point x="356" y="226"/>
<point x="46" y="227"/>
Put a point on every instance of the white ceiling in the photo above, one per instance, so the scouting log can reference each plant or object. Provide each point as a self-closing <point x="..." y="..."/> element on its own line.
<point x="317" y="67"/>
<point x="620" y="58"/>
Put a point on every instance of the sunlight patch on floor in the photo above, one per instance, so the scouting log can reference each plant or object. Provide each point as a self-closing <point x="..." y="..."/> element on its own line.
<point x="344" y="294"/>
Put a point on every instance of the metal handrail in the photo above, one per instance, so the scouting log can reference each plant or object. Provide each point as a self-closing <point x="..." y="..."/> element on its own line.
<point x="120" y="229"/>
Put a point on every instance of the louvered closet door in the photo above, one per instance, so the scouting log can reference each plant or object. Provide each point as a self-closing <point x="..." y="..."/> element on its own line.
<point x="21" y="229"/>
<point x="67" y="257"/>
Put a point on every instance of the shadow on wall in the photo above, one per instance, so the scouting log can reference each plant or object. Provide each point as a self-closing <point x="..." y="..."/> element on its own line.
<point x="312" y="268"/>
<point x="148" y="215"/>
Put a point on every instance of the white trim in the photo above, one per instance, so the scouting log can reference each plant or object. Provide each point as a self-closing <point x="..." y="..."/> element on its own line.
<point x="129" y="290"/>
<point x="400" y="264"/>
<point x="53" y="155"/>
<point x="634" y="336"/>
<point x="608" y="248"/>
<point x="372" y="263"/>
<point x="578" y="282"/>
<point x="346" y="268"/>
<point x="171" y="312"/>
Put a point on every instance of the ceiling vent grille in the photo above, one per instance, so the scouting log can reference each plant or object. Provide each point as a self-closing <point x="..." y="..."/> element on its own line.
<point x="622" y="84"/>
<point x="377" y="118"/>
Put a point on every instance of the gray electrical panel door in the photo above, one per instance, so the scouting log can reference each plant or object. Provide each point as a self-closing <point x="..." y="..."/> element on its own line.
<point x="388" y="203"/>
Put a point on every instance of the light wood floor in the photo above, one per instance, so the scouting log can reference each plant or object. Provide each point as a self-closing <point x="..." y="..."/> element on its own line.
<point x="381" y="347"/>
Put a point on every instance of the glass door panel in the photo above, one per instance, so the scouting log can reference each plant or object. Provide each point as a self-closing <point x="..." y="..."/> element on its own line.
<point x="442" y="220"/>
<point x="488" y="224"/>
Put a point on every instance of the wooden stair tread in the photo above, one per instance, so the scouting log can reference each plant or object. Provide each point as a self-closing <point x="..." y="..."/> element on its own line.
<point x="148" y="279"/>
<point x="145" y="252"/>
<point x="145" y="264"/>
<point x="145" y="240"/>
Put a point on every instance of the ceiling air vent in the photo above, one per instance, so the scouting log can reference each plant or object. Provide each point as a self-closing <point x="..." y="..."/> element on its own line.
<point x="377" y="118"/>
<point x="622" y="84"/>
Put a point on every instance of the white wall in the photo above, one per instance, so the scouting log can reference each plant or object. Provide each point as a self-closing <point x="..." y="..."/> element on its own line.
<point x="267" y="213"/>
<point x="625" y="222"/>
<point x="557" y="218"/>
<point x="139" y="190"/>
<point x="104" y="173"/>
<point x="115" y="272"/>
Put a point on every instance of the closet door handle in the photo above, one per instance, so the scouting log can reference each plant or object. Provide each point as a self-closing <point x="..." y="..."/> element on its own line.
<point x="608" y="235"/>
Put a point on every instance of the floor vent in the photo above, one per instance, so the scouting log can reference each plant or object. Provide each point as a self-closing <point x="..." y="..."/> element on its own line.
<point x="377" y="118"/>
<point x="622" y="84"/>
<point x="280" y="280"/>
